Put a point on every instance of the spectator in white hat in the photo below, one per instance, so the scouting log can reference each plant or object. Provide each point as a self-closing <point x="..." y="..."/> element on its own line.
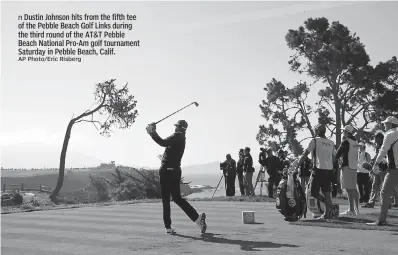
<point x="363" y="178"/>
<point x="389" y="148"/>
<point x="349" y="151"/>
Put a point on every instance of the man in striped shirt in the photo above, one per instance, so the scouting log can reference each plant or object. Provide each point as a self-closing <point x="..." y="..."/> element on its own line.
<point x="389" y="148"/>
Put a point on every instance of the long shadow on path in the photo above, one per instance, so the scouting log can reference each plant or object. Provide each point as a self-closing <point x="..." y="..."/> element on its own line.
<point x="244" y="245"/>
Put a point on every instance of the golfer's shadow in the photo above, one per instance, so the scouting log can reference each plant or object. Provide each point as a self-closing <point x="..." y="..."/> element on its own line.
<point x="244" y="245"/>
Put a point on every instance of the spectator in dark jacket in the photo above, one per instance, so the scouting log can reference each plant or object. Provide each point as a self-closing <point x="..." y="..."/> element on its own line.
<point x="248" y="170"/>
<point x="305" y="172"/>
<point x="239" y="170"/>
<point x="230" y="175"/>
<point x="272" y="164"/>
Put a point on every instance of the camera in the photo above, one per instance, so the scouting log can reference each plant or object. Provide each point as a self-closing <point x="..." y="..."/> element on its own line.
<point x="223" y="166"/>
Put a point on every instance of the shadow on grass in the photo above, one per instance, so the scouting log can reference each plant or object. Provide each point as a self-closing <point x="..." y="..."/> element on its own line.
<point x="346" y="223"/>
<point x="244" y="245"/>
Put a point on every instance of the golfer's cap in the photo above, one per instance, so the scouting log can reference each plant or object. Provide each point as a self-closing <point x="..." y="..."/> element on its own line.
<point x="182" y="123"/>
<point x="391" y="120"/>
<point x="350" y="129"/>
<point x="269" y="150"/>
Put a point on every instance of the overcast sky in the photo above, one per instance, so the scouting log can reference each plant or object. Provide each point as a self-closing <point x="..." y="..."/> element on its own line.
<point x="218" y="54"/>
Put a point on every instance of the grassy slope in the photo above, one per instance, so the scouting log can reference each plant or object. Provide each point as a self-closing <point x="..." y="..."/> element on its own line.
<point x="74" y="179"/>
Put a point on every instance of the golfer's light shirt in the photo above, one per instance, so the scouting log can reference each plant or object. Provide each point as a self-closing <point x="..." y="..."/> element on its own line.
<point x="386" y="149"/>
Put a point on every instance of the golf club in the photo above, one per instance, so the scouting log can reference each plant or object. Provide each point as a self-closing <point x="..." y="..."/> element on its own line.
<point x="195" y="103"/>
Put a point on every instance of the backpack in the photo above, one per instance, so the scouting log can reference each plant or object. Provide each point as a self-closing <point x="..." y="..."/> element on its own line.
<point x="294" y="208"/>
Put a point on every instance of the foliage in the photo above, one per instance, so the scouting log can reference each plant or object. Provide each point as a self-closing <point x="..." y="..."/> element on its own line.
<point x="125" y="186"/>
<point x="285" y="107"/>
<point x="115" y="108"/>
<point x="17" y="198"/>
<point x="330" y="53"/>
<point x="350" y="90"/>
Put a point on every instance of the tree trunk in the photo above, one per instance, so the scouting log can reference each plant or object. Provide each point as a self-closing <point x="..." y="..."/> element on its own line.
<point x="62" y="161"/>
<point x="337" y="107"/>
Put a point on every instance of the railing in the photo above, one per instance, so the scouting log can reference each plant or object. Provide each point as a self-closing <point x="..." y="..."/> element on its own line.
<point x="21" y="187"/>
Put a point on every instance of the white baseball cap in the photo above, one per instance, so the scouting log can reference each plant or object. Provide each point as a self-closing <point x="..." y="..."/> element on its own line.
<point x="391" y="120"/>
<point x="350" y="129"/>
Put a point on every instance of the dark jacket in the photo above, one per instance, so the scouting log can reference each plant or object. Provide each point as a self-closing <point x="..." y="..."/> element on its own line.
<point x="261" y="158"/>
<point x="175" y="147"/>
<point x="305" y="168"/>
<point x="284" y="163"/>
<point x="248" y="164"/>
<point x="239" y="165"/>
<point x="230" y="167"/>
<point x="272" y="163"/>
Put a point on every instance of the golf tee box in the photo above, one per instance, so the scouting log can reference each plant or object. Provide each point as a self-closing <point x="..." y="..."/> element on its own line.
<point x="247" y="217"/>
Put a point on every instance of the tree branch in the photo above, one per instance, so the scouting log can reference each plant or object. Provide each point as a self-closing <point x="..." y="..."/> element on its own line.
<point x="305" y="139"/>
<point x="87" y="113"/>
<point x="324" y="100"/>
<point x="356" y="113"/>
<point x="90" y="121"/>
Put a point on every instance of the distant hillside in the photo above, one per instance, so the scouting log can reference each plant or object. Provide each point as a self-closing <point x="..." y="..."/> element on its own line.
<point x="205" y="174"/>
<point x="38" y="155"/>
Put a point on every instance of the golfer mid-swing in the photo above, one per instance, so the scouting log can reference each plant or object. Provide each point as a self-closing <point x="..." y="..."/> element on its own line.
<point x="170" y="175"/>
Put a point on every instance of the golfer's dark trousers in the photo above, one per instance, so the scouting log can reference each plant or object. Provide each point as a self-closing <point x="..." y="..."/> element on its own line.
<point x="231" y="184"/>
<point x="363" y="186"/>
<point x="170" y="185"/>
<point x="273" y="179"/>
<point x="241" y="183"/>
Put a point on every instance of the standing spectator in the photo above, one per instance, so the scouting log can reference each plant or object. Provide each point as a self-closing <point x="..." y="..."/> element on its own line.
<point x="272" y="164"/>
<point x="248" y="170"/>
<point x="363" y="178"/>
<point x="305" y="172"/>
<point x="239" y="170"/>
<point x="230" y="175"/>
<point x="377" y="178"/>
<point x="389" y="148"/>
<point x="349" y="151"/>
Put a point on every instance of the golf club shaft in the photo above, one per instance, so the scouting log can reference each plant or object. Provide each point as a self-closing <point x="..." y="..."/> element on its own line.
<point x="173" y="113"/>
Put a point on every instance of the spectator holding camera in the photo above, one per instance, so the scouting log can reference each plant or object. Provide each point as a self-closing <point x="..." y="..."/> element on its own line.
<point x="229" y="171"/>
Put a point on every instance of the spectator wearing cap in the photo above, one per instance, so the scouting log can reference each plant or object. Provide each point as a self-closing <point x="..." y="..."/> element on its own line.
<point x="239" y="172"/>
<point x="363" y="178"/>
<point x="389" y="148"/>
<point x="248" y="170"/>
<point x="348" y="150"/>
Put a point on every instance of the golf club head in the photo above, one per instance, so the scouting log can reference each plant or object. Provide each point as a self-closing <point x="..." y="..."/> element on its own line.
<point x="196" y="104"/>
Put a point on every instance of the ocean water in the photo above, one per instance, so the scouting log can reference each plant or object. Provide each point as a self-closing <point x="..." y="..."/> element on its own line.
<point x="221" y="192"/>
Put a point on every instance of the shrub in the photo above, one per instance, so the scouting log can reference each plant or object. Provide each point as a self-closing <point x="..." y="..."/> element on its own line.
<point x="17" y="198"/>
